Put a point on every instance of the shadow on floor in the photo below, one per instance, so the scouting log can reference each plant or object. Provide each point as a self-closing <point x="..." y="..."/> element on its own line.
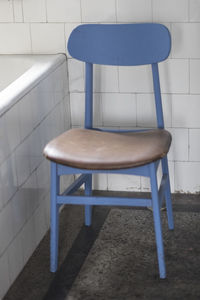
<point x="116" y="257"/>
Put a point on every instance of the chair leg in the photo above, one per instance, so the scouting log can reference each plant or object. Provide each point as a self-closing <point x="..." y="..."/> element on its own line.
<point x="168" y="194"/>
<point x="157" y="221"/>
<point x="88" y="208"/>
<point x="54" y="218"/>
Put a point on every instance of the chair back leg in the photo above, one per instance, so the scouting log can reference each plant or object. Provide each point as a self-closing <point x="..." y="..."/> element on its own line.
<point x="157" y="221"/>
<point x="168" y="194"/>
<point x="88" y="208"/>
<point x="55" y="183"/>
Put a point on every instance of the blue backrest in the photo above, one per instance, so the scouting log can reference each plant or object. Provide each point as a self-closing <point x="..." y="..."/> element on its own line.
<point x="120" y="44"/>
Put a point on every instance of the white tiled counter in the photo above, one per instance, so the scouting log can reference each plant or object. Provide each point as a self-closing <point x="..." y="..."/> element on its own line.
<point x="27" y="123"/>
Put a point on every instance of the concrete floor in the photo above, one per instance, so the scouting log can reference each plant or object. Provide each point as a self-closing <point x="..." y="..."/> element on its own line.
<point x="116" y="257"/>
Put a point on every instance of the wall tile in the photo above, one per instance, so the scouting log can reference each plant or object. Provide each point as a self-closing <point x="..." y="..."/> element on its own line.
<point x="76" y="76"/>
<point x="12" y="128"/>
<point x="187" y="176"/>
<point x="16" y="40"/>
<point x="22" y="161"/>
<point x="194" y="10"/>
<point x="135" y="79"/>
<point x="174" y="76"/>
<point x="19" y="210"/>
<point x="6" y="227"/>
<point x="47" y="38"/>
<point x="25" y="116"/>
<point x="77" y="105"/>
<point x="106" y="79"/>
<point x="30" y="191"/>
<point x="63" y="11"/>
<point x="185" y="40"/>
<point x="100" y="182"/>
<point x="34" y="10"/>
<point x="194" y="150"/>
<point x="6" y="11"/>
<point x="118" y="109"/>
<point x="180" y="144"/>
<point x="40" y="224"/>
<point x="15" y="258"/>
<point x="4" y="273"/>
<point x="185" y="111"/>
<point x="194" y="76"/>
<point x="170" y="11"/>
<point x="8" y="180"/>
<point x="3" y="146"/>
<point x="18" y="11"/>
<point x="28" y="239"/>
<point x="123" y="182"/>
<point x="134" y="11"/>
<point x="98" y="11"/>
<point x="146" y="111"/>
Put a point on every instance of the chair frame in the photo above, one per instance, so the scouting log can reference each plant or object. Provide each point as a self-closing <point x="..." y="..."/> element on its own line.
<point x="148" y="170"/>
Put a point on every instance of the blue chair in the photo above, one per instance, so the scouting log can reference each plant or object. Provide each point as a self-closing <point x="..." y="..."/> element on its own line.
<point x="94" y="150"/>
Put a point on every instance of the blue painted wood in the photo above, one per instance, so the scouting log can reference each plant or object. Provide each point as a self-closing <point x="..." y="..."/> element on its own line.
<point x="88" y="208"/>
<point x="140" y="171"/>
<point x="157" y="94"/>
<point x="88" y="95"/>
<point x="120" y="44"/>
<point x="157" y="221"/>
<point x="168" y="194"/>
<point x="92" y="200"/>
<point x="54" y="218"/>
<point x="75" y="185"/>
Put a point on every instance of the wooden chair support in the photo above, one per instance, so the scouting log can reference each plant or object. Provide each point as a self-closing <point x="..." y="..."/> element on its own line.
<point x="123" y="45"/>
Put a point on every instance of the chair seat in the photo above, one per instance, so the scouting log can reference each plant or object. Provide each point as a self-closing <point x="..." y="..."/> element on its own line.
<point x="93" y="149"/>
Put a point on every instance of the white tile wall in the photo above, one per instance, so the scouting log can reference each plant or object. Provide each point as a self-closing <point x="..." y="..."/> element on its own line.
<point x="194" y="148"/>
<point x="24" y="172"/>
<point x="17" y="39"/>
<point x="185" y="111"/>
<point x="194" y="10"/>
<point x="5" y="280"/>
<point x="135" y="80"/>
<point x="185" y="40"/>
<point x="194" y="76"/>
<point x="18" y="11"/>
<point x="187" y="176"/>
<point x="98" y="11"/>
<point x="6" y="11"/>
<point x="134" y="11"/>
<point x="146" y="111"/>
<point x="34" y="10"/>
<point x="174" y="76"/>
<point x="123" y="182"/>
<point x="118" y="109"/>
<point x="63" y="11"/>
<point x="163" y="11"/>
<point x="47" y="38"/>
<point x="106" y="79"/>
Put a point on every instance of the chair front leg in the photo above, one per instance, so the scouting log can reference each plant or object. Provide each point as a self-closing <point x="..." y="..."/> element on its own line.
<point x="157" y="221"/>
<point x="55" y="183"/>
<point x="88" y="208"/>
<point x="168" y="194"/>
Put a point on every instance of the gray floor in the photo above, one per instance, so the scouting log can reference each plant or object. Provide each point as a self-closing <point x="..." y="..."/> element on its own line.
<point x="116" y="257"/>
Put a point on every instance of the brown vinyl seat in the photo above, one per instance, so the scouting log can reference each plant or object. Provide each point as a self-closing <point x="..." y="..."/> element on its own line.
<point x="94" y="149"/>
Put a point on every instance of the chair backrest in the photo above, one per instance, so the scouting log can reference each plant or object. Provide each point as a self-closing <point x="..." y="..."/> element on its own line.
<point x="122" y="45"/>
